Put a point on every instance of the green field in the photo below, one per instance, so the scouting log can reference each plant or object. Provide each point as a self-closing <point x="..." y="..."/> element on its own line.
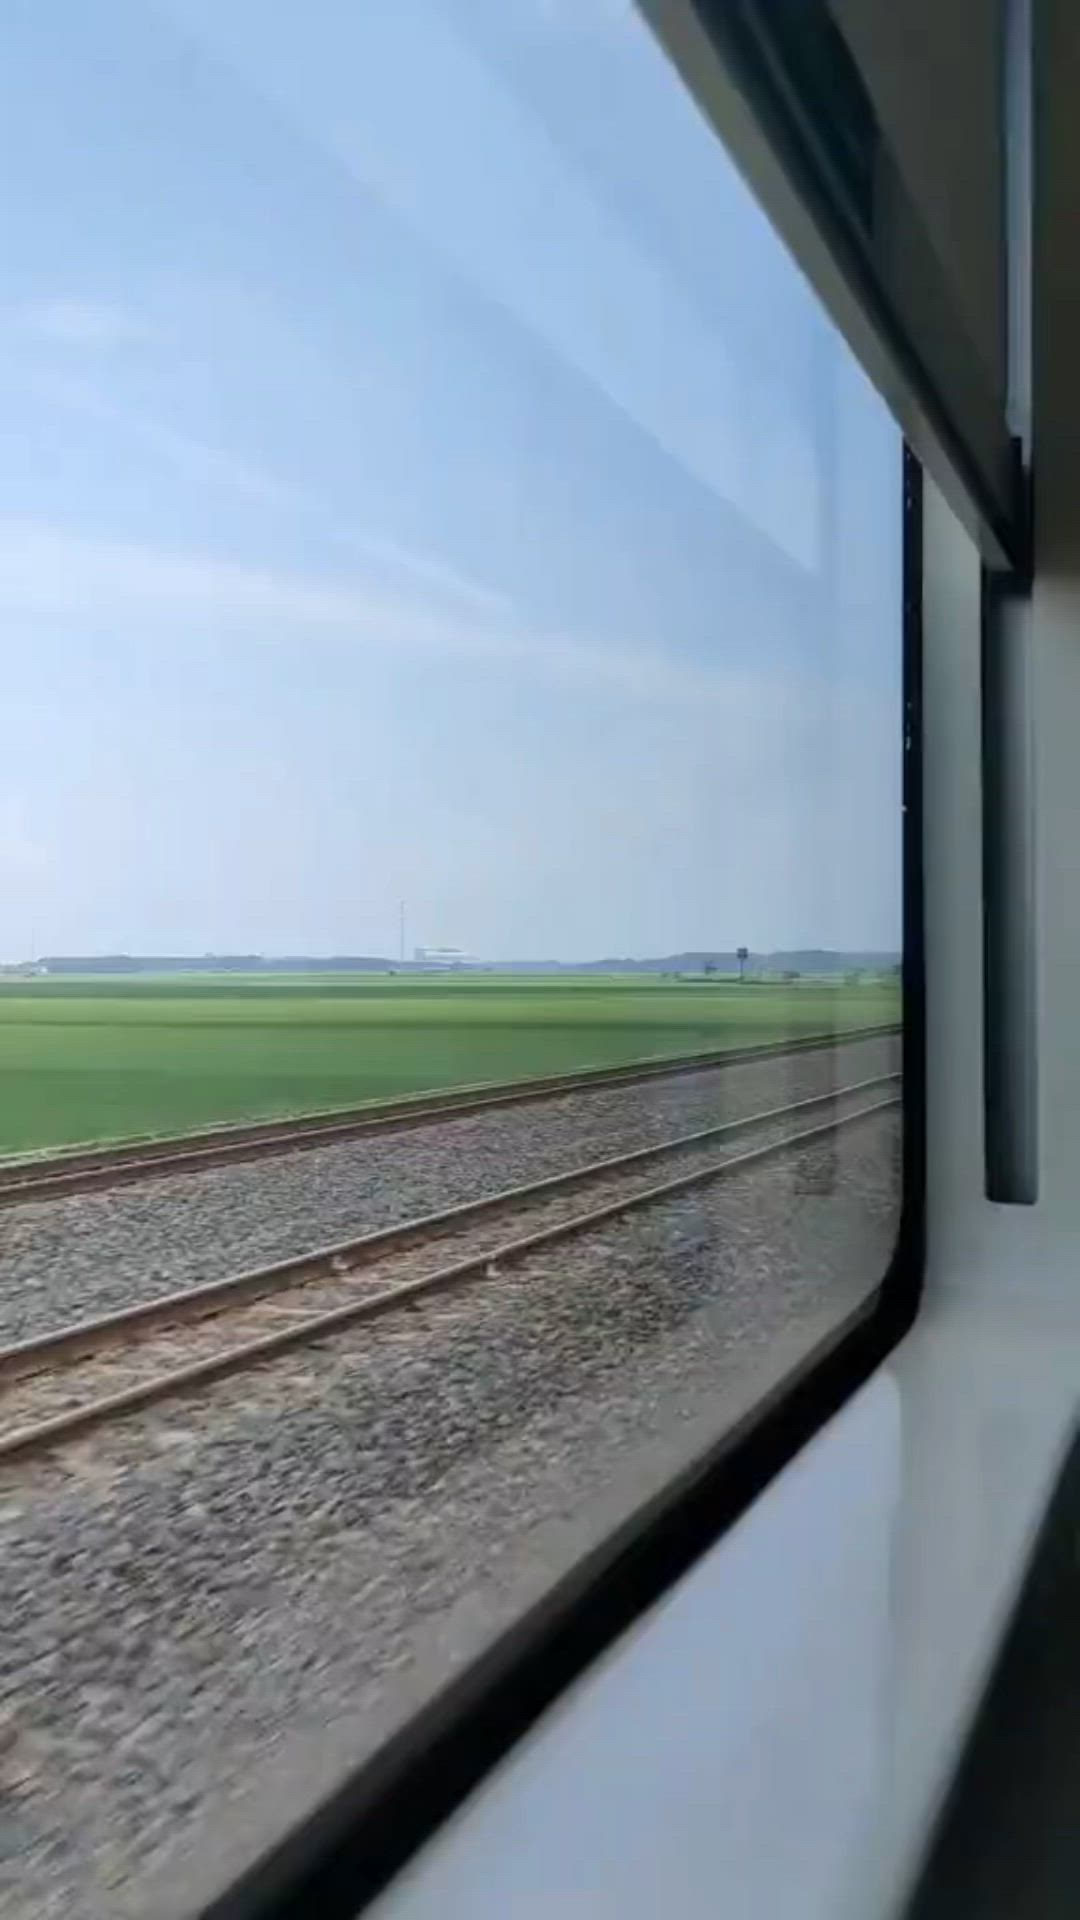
<point x="104" y="1058"/>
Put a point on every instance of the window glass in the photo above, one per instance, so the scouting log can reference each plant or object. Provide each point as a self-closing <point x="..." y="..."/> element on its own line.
<point x="450" y="583"/>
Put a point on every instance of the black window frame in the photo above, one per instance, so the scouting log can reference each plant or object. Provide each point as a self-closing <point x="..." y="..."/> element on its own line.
<point x="342" y="1855"/>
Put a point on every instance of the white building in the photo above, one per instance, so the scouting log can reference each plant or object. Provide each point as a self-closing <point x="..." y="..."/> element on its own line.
<point x="444" y="957"/>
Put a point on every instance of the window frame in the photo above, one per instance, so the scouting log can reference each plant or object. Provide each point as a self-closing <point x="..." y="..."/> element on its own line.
<point x="343" y="1854"/>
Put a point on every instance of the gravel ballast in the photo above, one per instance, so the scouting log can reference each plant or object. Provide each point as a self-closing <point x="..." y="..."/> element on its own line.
<point x="94" y="1253"/>
<point x="214" y="1608"/>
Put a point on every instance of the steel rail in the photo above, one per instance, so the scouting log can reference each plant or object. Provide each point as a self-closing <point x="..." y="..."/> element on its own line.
<point x="88" y="1338"/>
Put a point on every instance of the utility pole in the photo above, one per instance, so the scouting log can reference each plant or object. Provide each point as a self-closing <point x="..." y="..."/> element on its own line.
<point x="401" y="932"/>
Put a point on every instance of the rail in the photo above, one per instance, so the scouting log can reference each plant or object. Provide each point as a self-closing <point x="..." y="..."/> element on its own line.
<point x="40" y="1370"/>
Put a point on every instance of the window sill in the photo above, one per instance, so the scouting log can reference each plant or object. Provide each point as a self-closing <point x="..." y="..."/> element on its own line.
<point x="783" y="1726"/>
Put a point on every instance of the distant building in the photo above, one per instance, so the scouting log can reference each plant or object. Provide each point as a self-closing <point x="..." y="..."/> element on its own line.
<point x="444" y="957"/>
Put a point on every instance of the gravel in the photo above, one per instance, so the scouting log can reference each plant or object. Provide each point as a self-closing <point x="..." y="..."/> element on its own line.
<point x="209" y="1611"/>
<point x="123" y="1364"/>
<point x="74" y="1258"/>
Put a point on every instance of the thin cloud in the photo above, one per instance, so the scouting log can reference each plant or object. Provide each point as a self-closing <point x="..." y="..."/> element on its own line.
<point x="221" y="467"/>
<point x="431" y="571"/>
<point x="49" y="574"/>
<point x="76" y="322"/>
<point x="209" y="463"/>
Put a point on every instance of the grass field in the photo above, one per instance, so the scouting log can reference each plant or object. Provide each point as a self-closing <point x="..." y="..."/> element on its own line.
<point x="103" y="1058"/>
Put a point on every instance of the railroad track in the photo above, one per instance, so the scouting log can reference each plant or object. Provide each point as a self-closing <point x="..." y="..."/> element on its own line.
<point x="62" y="1384"/>
<point x="84" y="1169"/>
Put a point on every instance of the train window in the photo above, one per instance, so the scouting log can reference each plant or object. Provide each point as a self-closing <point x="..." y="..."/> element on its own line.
<point x="452" y="885"/>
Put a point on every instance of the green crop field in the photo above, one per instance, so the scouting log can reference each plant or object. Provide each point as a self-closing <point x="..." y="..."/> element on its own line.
<point x="106" y="1058"/>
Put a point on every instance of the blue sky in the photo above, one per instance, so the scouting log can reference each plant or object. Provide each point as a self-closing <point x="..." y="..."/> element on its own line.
<point x="425" y="476"/>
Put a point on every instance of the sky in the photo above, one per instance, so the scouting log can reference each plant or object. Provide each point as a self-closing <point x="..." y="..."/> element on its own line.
<point x="425" y="476"/>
